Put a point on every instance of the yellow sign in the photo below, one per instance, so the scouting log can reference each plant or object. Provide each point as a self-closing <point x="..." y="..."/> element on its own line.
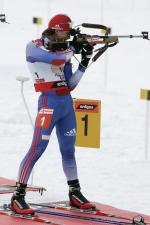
<point x="37" y="20"/>
<point x="145" y="94"/>
<point x="88" y="122"/>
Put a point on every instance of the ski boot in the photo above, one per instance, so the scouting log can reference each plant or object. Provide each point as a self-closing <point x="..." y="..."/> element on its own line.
<point x="18" y="204"/>
<point x="76" y="197"/>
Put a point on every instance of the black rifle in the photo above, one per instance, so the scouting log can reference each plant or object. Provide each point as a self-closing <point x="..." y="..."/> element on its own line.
<point x="106" y="39"/>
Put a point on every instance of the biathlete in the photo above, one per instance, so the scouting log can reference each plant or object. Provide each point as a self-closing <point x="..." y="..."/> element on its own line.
<point x="49" y="61"/>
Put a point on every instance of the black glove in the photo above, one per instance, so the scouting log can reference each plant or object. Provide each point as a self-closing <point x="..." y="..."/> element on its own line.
<point x="76" y="45"/>
<point x="86" y="54"/>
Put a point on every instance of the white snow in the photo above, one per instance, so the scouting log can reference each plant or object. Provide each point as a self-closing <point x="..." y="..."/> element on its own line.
<point x="118" y="174"/>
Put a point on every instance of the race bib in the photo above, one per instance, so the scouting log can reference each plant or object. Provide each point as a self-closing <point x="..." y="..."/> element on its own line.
<point x="44" y="118"/>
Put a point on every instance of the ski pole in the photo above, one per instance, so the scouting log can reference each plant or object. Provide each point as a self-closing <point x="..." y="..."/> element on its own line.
<point x="22" y="79"/>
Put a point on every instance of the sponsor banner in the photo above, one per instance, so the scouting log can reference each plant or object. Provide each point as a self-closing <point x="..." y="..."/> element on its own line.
<point x="46" y="111"/>
<point x="86" y="106"/>
<point x="50" y="86"/>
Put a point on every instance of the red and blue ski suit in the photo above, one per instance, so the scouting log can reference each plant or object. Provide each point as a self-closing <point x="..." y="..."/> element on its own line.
<point x="53" y="77"/>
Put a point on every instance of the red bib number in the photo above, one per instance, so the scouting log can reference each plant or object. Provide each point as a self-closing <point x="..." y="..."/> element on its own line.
<point x="44" y="118"/>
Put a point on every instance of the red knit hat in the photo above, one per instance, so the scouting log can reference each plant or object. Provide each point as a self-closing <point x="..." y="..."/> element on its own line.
<point x="60" y="22"/>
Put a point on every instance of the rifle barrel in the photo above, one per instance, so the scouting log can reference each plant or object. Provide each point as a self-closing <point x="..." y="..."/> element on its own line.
<point x="144" y="35"/>
<point x="123" y="36"/>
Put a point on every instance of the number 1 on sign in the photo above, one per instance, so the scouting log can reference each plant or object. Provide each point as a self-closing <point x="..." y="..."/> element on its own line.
<point x="85" y="120"/>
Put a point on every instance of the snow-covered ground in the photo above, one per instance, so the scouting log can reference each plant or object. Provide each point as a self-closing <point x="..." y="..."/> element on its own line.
<point x="117" y="174"/>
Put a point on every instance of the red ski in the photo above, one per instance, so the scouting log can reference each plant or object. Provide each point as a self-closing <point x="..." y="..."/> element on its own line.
<point x="34" y="218"/>
<point x="64" y="206"/>
<point x="58" y="213"/>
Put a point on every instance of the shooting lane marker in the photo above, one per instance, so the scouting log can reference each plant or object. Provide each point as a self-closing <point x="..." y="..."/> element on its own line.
<point x="38" y="21"/>
<point x="145" y="94"/>
<point x="88" y="117"/>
